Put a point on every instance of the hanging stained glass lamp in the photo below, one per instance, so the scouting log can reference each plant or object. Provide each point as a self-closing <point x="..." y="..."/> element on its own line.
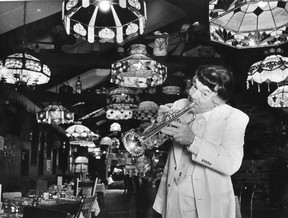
<point x="106" y="141"/>
<point x="274" y="68"/>
<point x="55" y="114"/>
<point x="115" y="127"/>
<point x="248" y="23"/>
<point x="147" y="111"/>
<point x="138" y="70"/>
<point x="79" y="134"/>
<point x="104" y="20"/>
<point x="23" y="68"/>
<point x="120" y="104"/>
<point x="279" y="98"/>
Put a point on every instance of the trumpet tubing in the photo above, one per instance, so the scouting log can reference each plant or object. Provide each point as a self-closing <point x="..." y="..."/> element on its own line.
<point x="136" y="144"/>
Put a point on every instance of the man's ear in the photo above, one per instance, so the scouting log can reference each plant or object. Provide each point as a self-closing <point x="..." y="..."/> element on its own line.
<point x="217" y="100"/>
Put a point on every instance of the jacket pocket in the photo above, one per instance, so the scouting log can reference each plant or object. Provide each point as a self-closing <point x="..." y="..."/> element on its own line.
<point x="186" y="197"/>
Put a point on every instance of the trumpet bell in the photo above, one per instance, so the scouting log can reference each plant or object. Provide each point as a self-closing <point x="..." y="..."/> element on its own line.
<point x="133" y="143"/>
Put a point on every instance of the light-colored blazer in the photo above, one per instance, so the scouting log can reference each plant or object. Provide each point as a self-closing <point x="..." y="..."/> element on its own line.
<point x="220" y="155"/>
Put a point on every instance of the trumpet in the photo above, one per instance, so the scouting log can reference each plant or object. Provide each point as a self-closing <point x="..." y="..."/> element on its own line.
<point x="136" y="144"/>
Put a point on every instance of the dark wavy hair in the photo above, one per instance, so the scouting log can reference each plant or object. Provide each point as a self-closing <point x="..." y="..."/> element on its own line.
<point x="218" y="78"/>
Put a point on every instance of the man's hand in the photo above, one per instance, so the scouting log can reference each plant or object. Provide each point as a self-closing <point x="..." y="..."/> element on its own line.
<point x="181" y="133"/>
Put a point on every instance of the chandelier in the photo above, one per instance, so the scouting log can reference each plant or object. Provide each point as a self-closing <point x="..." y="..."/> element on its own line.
<point x="120" y="104"/>
<point x="138" y="70"/>
<point x="56" y="114"/>
<point x="81" y="135"/>
<point x="147" y="111"/>
<point x="248" y="23"/>
<point x="104" y="20"/>
<point x="279" y="98"/>
<point x="23" y="68"/>
<point x="115" y="127"/>
<point x="274" y="68"/>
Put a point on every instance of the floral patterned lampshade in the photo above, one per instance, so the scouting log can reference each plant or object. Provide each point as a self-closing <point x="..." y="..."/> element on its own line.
<point x="273" y="68"/>
<point x="120" y="104"/>
<point x="24" y="68"/>
<point x="56" y="114"/>
<point x="147" y="111"/>
<point x="248" y="23"/>
<point x="122" y="98"/>
<point x="81" y="135"/>
<point x="138" y="70"/>
<point x="104" y="20"/>
<point x="279" y="98"/>
<point x="122" y="114"/>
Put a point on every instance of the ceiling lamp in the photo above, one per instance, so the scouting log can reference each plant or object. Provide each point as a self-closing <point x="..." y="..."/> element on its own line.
<point x="147" y="111"/>
<point x="81" y="160"/>
<point x="138" y="70"/>
<point x="279" y="98"/>
<point x="122" y="98"/>
<point x="104" y="20"/>
<point x="248" y="23"/>
<point x="81" y="135"/>
<point x="273" y="68"/>
<point x="115" y="127"/>
<point x="56" y="114"/>
<point x="106" y="141"/>
<point x="23" y="68"/>
<point x="120" y="104"/>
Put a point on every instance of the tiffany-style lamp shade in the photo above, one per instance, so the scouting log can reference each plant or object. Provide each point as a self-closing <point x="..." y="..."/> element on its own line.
<point x="56" y="114"/>
<point x="273" y="68"/>
<point x="248" y="23"/>
<point x="104" y="20"/>
<point x="81" y="135"/>
<point x="138" y="70"/>
<point x="23" y="68"/>
<point x="279" y="98"/>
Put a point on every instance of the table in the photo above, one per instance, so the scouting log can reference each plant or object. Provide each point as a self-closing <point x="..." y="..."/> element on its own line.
<point x="68" y="205"/>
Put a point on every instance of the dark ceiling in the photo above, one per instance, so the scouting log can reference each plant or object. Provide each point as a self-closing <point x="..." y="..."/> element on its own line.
<point x="69" y="57"/>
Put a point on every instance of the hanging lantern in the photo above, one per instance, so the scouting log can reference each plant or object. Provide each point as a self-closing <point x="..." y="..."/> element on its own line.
<point x="81" y="135"/>
<point x="248" y="23"/>
<point x="56" y="114"/>
<point x="122" y="98"/>
<point x="279" y="98"/>
<point x="104" y="20"/>
<point x="24" y="68"/>
<point x="147" y="111"/>
<point x="81" y="160"/>
<point x="106" y="141"/>
<point x="138" y="70"/>
<point x="115" y="127"/>
<point x="273" y="68"/>
<point x="120" y="104"/>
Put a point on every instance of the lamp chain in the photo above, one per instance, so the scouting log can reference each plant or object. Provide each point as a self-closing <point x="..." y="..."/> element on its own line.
<point x="24" y="21"/>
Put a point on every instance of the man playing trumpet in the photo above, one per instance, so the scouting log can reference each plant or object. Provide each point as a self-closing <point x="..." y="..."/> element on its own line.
<point x="196" y="181"/>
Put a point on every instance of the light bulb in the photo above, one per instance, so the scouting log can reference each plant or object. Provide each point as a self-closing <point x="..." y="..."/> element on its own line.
<point x="104" y="5"/>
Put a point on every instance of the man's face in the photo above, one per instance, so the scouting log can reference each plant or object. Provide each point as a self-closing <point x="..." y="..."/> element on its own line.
<point x="202" y="96"/>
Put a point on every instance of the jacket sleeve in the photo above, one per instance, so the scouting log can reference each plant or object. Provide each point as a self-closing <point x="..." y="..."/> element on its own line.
<point x="221" y="148"/>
